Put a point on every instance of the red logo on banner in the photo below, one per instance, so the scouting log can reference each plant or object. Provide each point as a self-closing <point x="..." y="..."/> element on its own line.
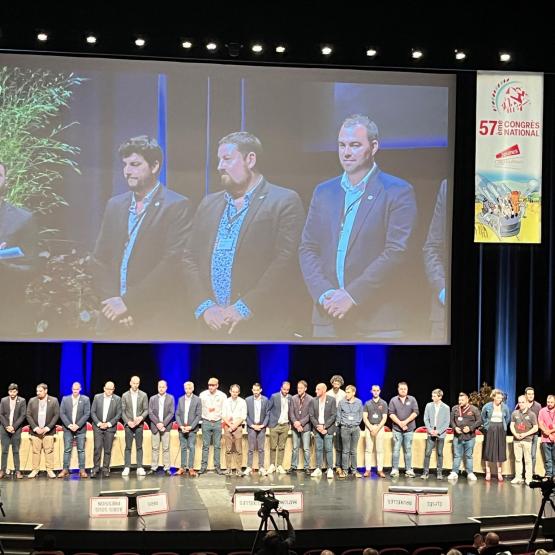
<point x="509" y="97"/>
<point x="511" y="151"/>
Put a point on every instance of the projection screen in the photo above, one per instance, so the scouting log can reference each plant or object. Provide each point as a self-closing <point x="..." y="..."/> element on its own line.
<point x="164" y="201"/>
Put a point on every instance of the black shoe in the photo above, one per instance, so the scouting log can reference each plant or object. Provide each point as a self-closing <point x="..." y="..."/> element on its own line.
<point x="307" y="471"/>
<point x="290" y="470"/>
<point x="202" y="471"/>
<point x="220" y="472"/>
<point x="94" y="472"/>
<point x="440" y="475"/>
<point x="105" y="473"/>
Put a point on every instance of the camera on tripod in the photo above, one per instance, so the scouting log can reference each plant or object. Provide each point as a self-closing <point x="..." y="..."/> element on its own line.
<point x="268" y="500"/>
<point x="547" y="485"/>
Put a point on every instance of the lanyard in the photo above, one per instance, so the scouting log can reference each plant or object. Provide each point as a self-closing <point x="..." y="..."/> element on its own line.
<point x="349" y="208"/>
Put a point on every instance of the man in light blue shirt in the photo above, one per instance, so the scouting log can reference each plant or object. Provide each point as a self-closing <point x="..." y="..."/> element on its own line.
<point x="354" y="241"/>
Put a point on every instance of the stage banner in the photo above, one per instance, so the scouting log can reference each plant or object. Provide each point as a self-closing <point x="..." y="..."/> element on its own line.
<point x="509" y="130"/>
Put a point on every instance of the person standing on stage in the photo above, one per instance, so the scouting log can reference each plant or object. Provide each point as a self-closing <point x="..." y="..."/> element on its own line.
<point x="212" y="405"/>
<point x="349" y="417"/>
<point x="546" y="422"/>
<point x="374" y="414"/>
<point x="524" y="426"/>
<point x="75" y="411"/>
<point x="234" y="413"/>
<point x="43" y="412"/>
<point x="338" y="394"/>
<point x="187" y="416"/>
<point x="535" y="407"/>
<point x="299" y="416"/>
<point x="134" y="408"/>
<point x="257" y="422"/>
<point x="278" y="423"/>
<point x="13" y="409"/>
<point x="161" y="411"/>
<point x="105" y="414"/>
<point x="495" y="419"/>
<point x="465" y="420"/>
<point x="403" y="410"/>
<point x="436" y="419"/>
<point x="323" y="415"/>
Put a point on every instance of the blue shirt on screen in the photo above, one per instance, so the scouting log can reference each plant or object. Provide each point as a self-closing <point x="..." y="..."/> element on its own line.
<point x="223" y="256"/>
<point x="134" y="223"/>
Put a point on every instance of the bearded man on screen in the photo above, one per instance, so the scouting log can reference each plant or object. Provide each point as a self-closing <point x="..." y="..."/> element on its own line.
<point x="241" y="259"/>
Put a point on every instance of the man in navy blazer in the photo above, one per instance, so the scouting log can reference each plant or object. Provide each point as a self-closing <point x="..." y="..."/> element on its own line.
<point x="257" y="422"/>
<point x="278" y="424"/>
<point x="323" y="413"/>
<point x="105" y="414"/>
<point x="75" y="410"/>
<point x="13" y="410"/>
<point x="161" y="411"/>
<point x="241" y="259"/>
<point x="18" y="228"/>
<point x="187" y="416"/>
<point x="355" y="240"/>
<point x="139" y="248"/>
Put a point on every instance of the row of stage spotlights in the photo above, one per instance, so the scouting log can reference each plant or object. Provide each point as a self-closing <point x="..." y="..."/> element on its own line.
<point x="258" y="48"/>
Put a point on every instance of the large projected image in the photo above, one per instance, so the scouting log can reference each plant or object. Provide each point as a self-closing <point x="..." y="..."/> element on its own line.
<point x="156" y="201"/>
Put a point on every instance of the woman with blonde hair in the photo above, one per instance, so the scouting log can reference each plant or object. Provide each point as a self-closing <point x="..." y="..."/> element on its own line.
<point x="496" y="416"/>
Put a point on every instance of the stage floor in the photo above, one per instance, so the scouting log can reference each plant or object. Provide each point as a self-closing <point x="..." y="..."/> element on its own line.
<point x="343" y="512"/>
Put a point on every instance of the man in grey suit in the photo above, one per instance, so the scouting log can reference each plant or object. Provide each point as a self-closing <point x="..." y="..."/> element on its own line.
<point x="188" y="415"/>
<point x="323" y="413"/>
<point x="161" y="410"/>
<point x="43" y="412"/>
<point x="12" y="417"/>
<point x="105" y="414"/>
<point x="257" y="422"/>
<point x="75" y="411"/>
<point x="134" y="408"/>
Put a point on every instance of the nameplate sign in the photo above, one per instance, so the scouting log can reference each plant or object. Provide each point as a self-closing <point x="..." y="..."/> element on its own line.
<point x="246" y="503"/>
<point x="434" y="504"/>
<point x="152" y="504"/>
<point x="108" y="507"/>
<point x="400" y="502"/>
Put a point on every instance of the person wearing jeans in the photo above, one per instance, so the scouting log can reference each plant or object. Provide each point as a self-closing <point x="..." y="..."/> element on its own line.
<point x="403" y="410"/>
<point x="323" y="414"/>
<point x="465" y="420"/>
<point x="546" y="421"/>
<point x="187" y="416"/>
<point x="436" y="419"/>
<point x="212" y="405"/>
<point x="349" y="417"/>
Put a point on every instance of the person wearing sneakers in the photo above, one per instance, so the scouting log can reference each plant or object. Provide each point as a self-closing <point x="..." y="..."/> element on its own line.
<point x="436" y="419"/>
<point x="546" y="421"/>
<point x="134" y="410"/>
<point x="161" y="412"/>
<point x="349" y="417"/>
<point x="278" y="423"/>
<point x="403" y="410"/>
<point x="43" y="412"/>
<point x="212" y="400"/>
<point x="187" y="416"/>
<point x="257" y="422"/>
<point x="234" y="413"/>
<point x="338" y="394"/>
<point x="75" y="410"/>
<point x="374" y="415"/>
<point x="524" y="426"/>
<point x="495" y="419"/>
<point x="465" y="420"/>
<point x="13" y="409"/>
<point x="323" y="414"/>
<point x="299" y="416"/>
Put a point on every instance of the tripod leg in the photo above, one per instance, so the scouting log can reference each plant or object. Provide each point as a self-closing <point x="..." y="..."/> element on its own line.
<point x="537" y="524"/>
<point x="263" y="526"/>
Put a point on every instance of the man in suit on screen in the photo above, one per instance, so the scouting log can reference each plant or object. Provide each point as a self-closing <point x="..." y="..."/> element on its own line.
<point x="242" y="252"/>
<point x="139" y="248"/>
<point x="355" y="240"/>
